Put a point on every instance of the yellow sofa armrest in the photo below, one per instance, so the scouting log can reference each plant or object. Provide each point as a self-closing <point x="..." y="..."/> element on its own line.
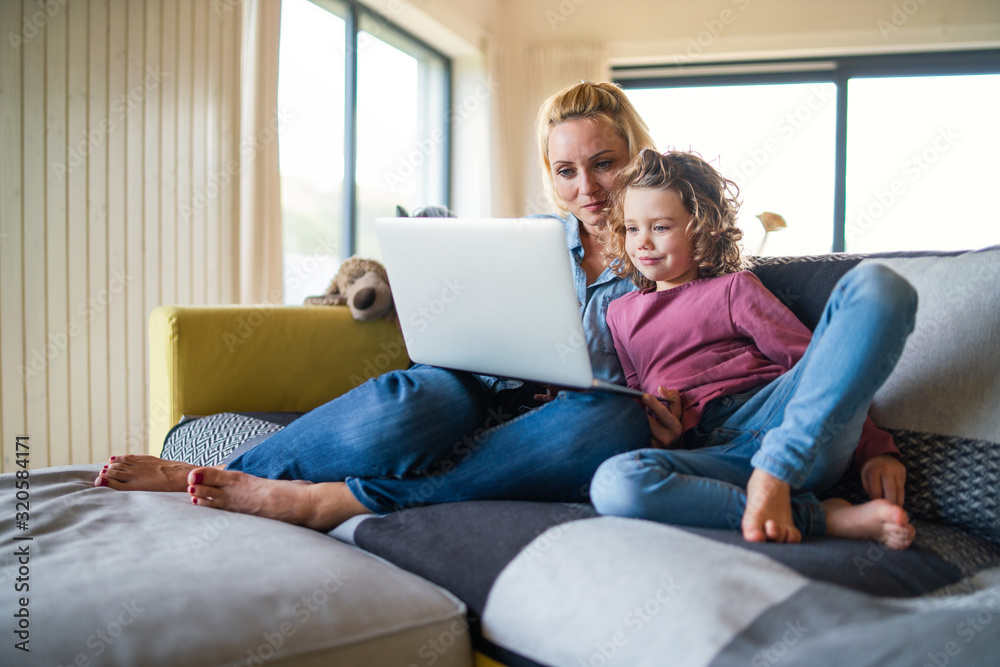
<point x="210" y="359"/>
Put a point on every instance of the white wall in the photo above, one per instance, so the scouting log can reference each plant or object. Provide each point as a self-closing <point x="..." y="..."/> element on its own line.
<point x="651" y="30"/>
<point x="637" y="32"/>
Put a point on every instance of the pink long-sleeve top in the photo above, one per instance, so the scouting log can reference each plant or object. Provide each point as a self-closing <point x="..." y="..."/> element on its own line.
<point x="714" y="337"/>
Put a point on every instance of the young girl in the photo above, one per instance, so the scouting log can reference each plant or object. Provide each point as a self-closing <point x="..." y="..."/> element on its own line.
<point x="769" y="413"/>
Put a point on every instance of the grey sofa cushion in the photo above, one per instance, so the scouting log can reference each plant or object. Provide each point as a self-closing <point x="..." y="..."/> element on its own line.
<point x="135" y="578"/>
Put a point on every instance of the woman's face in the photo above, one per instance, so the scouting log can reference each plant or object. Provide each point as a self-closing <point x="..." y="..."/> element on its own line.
<point x="585" y="155"/>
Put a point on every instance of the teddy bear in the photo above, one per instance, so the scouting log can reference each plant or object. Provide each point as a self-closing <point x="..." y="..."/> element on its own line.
<point x="362" y="285"/>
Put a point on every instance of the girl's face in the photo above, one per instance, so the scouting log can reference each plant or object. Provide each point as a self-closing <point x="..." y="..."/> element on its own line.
<point x="585" y="155"/>
<point x="656" y="237"/>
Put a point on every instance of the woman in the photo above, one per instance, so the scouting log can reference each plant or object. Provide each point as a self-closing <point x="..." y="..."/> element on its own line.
<point x="429" y="435"/>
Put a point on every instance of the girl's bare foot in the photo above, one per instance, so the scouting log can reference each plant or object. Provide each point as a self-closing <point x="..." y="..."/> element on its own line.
<point x="877" y="520"/>
<point x="768" y="514"/>
<point x="136" y="472"/>
<point x="322" y="506"/>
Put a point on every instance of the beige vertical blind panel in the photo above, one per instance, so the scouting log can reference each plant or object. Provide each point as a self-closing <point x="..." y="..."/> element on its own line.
<point x="119" y="124"/>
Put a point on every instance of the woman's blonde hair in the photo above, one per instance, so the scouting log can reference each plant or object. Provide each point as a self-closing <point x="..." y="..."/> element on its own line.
<point x="602" y="101"/>
<point x="710" y="198"/>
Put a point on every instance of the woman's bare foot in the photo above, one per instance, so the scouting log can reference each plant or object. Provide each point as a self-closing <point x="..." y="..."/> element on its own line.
<point x="322" y="506"/>
<point x="877" y="520"/>
<point x="137" y="472"/>
<point x="768" y="514"/>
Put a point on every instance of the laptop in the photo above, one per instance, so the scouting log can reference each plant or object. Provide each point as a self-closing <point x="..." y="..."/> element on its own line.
<point x="493" y="296"/>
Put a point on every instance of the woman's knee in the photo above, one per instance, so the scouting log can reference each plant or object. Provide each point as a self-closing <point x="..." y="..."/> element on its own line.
<point x="422" y="390"/>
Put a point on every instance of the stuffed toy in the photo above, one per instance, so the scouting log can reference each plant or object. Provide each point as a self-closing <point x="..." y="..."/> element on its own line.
<point x="360" y="284"/>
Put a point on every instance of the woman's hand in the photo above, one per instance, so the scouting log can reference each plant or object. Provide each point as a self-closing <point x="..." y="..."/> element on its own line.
<point x="664" y="420"/>
<point x="884" y="476"/>
<point x="551" y="391"/>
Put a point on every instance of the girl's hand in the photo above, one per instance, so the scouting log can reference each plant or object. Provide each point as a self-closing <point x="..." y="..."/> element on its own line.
<point x="664" y="420"/>
<point x="884" y="476"/>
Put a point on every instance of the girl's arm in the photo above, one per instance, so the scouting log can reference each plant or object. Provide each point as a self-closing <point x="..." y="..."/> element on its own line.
<point x="663" y="411"/>
<point x="757" y="314"/>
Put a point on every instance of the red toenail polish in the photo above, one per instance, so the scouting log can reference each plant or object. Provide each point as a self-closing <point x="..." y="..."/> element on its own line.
<point x="194" y="500"/>
<point x="103" y="482"/>
<point x="114" y="458"/>
<point x="199" y="477"/>
<point x="190" y="489"/>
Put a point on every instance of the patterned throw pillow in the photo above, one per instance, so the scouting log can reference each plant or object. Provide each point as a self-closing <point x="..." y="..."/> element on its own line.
<point x="949" y="480"/>
<point x="206" y="441"/>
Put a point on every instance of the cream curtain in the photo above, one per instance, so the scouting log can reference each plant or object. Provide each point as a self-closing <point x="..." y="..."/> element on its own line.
<point x="259" y="217"/>
<point x="530" y="76"/>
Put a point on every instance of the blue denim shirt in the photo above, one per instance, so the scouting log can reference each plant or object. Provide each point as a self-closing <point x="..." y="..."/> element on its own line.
<point x="594" y="300"/>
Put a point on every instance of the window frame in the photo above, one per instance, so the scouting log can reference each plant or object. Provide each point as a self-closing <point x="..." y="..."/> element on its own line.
<point x="353" y="13"/>
<point x="838" y="70"/>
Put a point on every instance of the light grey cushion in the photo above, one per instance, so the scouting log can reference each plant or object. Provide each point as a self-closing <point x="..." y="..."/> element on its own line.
<point x="614" y="591"/>
<point x="134" y="578"/>
<point x="947" y="380"/>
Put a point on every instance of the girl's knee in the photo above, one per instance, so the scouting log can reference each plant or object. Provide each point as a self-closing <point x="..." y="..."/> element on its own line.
<point x="621" y="482"/>
<point x="881" y="286"/>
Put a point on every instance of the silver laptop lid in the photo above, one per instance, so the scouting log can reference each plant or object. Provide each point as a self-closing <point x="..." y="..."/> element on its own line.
<point x="487" y="295"/>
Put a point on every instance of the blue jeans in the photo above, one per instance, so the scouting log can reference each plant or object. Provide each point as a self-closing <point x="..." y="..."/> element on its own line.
<point x="428" y="435"/>
<point x="802" y="428"/>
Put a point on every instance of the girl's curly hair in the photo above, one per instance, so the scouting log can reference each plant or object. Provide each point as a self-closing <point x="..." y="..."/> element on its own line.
<point x="710" y="198"/>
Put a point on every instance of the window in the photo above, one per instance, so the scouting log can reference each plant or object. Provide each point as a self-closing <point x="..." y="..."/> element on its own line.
<point x="920" y="180"/>
<point x="779" y="129"/>
<point x="376" y="111"/>
<point x="858" y="154"/>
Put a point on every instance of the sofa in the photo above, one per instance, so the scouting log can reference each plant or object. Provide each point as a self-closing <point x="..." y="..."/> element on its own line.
<point x="101" y="577"/>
